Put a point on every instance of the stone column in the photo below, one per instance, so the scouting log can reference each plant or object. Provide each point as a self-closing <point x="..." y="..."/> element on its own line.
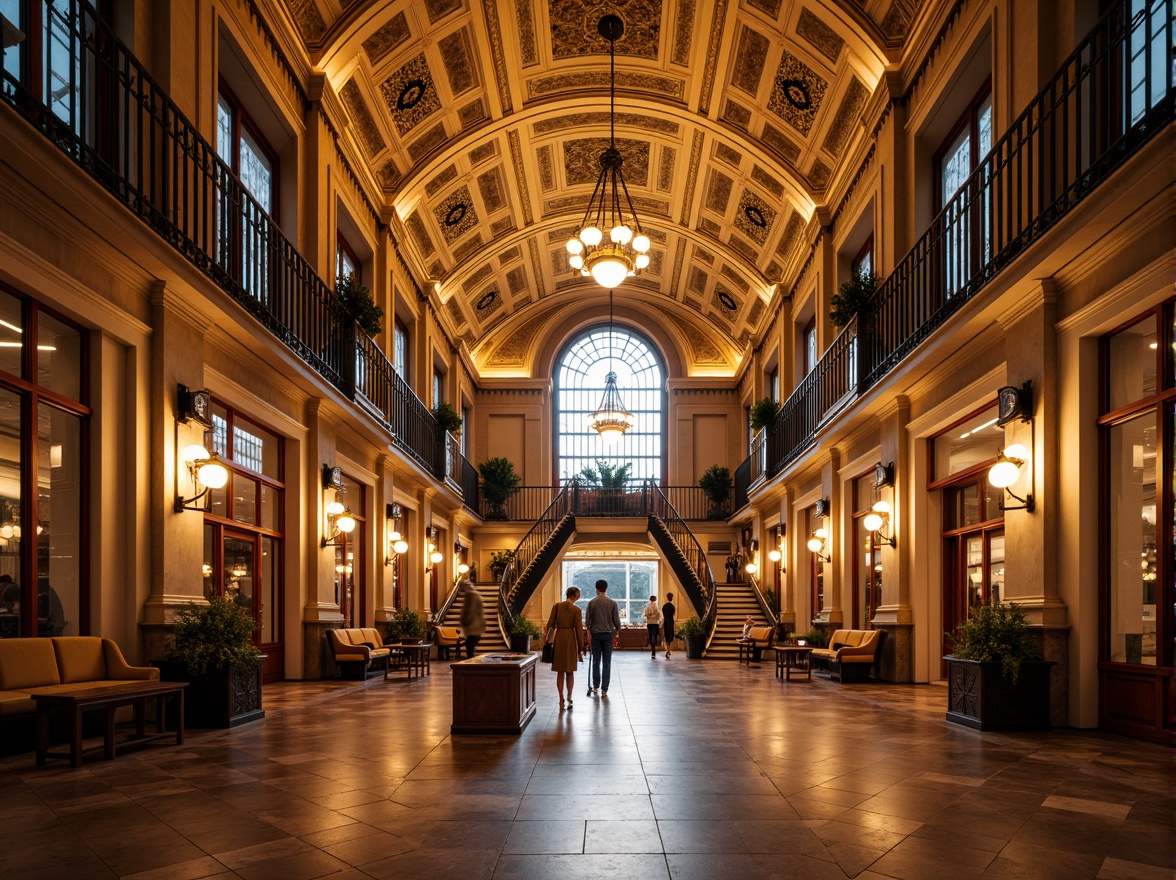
<point x="321" y="611"/>
<point x="894" y="613"/>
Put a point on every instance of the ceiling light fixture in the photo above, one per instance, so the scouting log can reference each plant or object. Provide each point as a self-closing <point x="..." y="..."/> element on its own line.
<point x="611" y="420"/>
<point x="608" y="246"/>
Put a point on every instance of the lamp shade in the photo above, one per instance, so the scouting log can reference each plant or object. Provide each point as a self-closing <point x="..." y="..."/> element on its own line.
<point x="1004" y="473"/>
<point x="400" y="546"/>
<point x="816" y="544"/>
<point x="774" y="555"/>
<point x="435" y="557"/>
<point x="608" y="268"/>
<point x="463" y="569"/>
<point x="751" y="568"/>
<point x="193" y="453"/>
<point x="872" y="521"/>
<point x="334" y="508"/>
<point x="346" y="522"/>
<point x="212" y="473"/>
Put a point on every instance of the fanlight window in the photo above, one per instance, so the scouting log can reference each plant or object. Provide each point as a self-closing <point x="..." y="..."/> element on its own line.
<point x="580" y="378"/>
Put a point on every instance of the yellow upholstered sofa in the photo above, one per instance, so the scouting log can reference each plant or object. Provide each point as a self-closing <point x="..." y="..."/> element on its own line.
<point x="358" y="651"/>
<point x="851" y="653"/>
<point x="45" y="666"/>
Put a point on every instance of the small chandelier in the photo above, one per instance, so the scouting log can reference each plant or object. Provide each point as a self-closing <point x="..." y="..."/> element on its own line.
<point x="626" y="249"/>
<point x="611" y="420"/>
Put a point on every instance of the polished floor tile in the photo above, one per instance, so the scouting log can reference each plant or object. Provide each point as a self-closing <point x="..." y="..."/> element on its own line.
<point x="686" y="770"/>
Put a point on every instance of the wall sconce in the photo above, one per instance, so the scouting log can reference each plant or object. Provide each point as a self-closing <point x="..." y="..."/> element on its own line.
<point x="1014" y="403"/>
<point x="752" y="554"/>
<point x="776" y="554"/>
<point x="340" y="519"/>
<point x="396" y="543"/>
<point x="879" y="516"/>
<point x="435" y="555"/>
<point x="459" y="554"/>
<point x="205" y="470"/>
<point x="818" y="544"/>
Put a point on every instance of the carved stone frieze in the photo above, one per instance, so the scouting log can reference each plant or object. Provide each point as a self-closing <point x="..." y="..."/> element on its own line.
<point x="702" y="349"/>
<point x="501" y="74"/>
<point x="724" y="153"/>
<point x="546" y="168"/>
<point x="525" y="20"/>
<point x="757" y="309"/>
<point x="420" y="237"/>
<point x="426" y="143"/>
<point x="790" y="240"/>
<point x="458" y="57"/>
<point x="455" y="312"/>
<point x="509" y="255"/>
<point x="780" y="143"/>
<point x="410" y="94"/>
<point x="472" y="114"/>
<point x="516" y="158"/>
<point x="440" y="179"/>
<point x="767" y="181"/>
<point x="718" y="192"/>
<point x="819" y="35"/>
<point x="516" y="280"/>
<point x="456" y="214"/>
<point x="577" y="82"/>
<point x="797" y="93"/>
<point x="308" y="18"/>
<point x="683" y="32"/>
<point x="491" y="190"/>
<point x="750" y="58"/>
<point x="502" y="226"/>
<point x="386" y="38"/>
<point x="438" y="9"/>
<point x="589" y="119"/>
<point x="848" y="118"/>
<point x="665" y="169"/>
<point x="361" y="118"/>
<point x="819" y="174"/>
<point x="754" y="217"/>
<point x="483" y="152"/>
<point x="574" y="33"/>
<point x="512" y="351"/>
<point x="581" y="160"/>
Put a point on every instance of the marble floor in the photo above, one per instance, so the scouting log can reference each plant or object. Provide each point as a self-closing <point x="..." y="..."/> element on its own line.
<point x="686" y="769"/>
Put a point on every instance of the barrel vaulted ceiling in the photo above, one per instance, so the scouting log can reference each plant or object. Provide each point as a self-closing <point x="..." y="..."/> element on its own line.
<point x="483" y="121"/>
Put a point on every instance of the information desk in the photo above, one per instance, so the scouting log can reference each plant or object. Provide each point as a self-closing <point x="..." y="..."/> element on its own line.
<point x="494" y="693"/>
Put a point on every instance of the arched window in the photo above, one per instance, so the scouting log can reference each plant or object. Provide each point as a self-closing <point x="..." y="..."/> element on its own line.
<point x="580" y="377"/>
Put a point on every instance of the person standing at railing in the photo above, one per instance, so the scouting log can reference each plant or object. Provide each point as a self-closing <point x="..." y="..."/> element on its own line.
<point x="668" y="612"/>
<point x="565" y="628"/>
<point x="653" y="619"/>
<point x="604" y="625"/>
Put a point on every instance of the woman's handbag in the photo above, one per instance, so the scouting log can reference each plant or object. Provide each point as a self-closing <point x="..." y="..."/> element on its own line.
<point x="548" y="652"/>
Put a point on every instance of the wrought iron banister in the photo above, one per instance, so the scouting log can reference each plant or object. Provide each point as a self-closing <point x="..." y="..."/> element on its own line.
<point x="1106" y="101"/>
<point x="691" y="550"/>
<point x="469" y="485"/>
<point x="760" y="598"/>
<point x="529" y="547"/>
<point x="109" y="116"/>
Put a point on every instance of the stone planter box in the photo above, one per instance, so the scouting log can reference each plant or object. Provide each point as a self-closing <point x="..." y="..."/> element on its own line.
<point x="225" y="697"/>
<point x="979" y="696"/>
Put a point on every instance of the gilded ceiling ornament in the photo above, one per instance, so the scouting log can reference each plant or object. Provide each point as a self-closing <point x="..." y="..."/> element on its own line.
<point x="797" y="93"/>
<point x="574" y="33"/>
<point x="683" y="31"/>
<point x="410" y="94"/>
<point x="456" y="215"/>
<point x="754" y="217"/>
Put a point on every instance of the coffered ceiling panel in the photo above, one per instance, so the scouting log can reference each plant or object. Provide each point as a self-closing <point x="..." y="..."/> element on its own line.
<point x="483" y="123"/>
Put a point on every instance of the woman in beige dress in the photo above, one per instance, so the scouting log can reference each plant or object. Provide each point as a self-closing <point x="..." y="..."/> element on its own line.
<point x="565" y="629"/>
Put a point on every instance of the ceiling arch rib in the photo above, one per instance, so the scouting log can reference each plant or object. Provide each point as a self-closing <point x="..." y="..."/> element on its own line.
<point x="483" y="123"/>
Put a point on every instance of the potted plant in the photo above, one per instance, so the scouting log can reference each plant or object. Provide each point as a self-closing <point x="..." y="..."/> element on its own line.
<point x="407" y="626"/>
<point x="853" y="297"/>
<point x="763" y="413"/>
<point x="448" y="418"/>
<point x="499" y="559"/>
<point x="499" y="482"/>
<point x="716" y="485"/>
<point x="606" y="484"/>
<point x="816" y="637"/>
<point x="692" y="631"/>
<point x="996" y="677"/>
<point x="211" y="649"/>
<point x="356" y="301"/>
<point x="522" y="630"/>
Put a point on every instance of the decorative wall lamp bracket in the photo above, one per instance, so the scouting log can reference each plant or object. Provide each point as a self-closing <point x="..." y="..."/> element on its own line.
<point x="343" y="524"/>
<point x="879" y="516"/>
<point x="435" y="555"/>
<point x="818" y="543"/>
<point x="396" y="543"/>
<point x="776" y="554"/>
<point x="752" y="566"/>
<point x="205" y="470"/>
<point x="1015" y="403"/>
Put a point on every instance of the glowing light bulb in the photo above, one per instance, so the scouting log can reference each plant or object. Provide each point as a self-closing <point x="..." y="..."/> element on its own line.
<point x="620" y="234"/>
<point x="591" y="236"/>
<point x="774" y="555"/>
<point x="334" y="508"/>
<point x="346" y="522"/>
<point x="574" y="246"/>
<point x="641" y="242"/>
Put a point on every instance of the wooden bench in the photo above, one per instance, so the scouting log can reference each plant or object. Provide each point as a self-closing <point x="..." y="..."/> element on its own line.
<point x="851" y="653"/>
<point x="359" y="651"/>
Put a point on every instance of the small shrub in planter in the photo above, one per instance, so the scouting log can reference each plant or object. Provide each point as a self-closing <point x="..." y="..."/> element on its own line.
<point x="405" y="625"/>
<point x="356" y="301"/>
<point x="499" y="560"/>
<point x="521" y="631"/>
<point x="693" y="632"/>
<point x="763" y="413"/>
<point x="448" y="418"/>
<point x="499" y="482"/>
<point x="996" y="677"/>
<point x="853" y="298"/>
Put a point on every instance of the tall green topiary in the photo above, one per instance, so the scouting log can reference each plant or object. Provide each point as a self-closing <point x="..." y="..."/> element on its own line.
<point x="852" y="298"/>
<point x="763" y="413"/>
<point x="447" y="417"/>
<point x="499" y="481"/>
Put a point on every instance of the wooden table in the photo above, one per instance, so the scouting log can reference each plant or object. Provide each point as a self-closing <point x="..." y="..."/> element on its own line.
<point x="415" y="657"/>
<point x="494" y="693"/>
<point x="133" y="693"/>
<point x="790" y="657"/>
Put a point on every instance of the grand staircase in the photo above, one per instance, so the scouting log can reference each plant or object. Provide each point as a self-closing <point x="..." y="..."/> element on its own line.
<point x="735" y="602"/>
<point x="492" y="640"/>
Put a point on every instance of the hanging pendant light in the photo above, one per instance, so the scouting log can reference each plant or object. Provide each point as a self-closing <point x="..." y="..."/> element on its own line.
<point x="611" y="420"/>
<point x="609" y="245"/>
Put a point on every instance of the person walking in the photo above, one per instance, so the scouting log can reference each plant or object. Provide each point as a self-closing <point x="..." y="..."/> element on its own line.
<point x="565" y="627"/>
<point x="473" y="616"/>
<point x="604" y="625"/>
<point x="653" y="619"/>
<point x="668" y="612"/>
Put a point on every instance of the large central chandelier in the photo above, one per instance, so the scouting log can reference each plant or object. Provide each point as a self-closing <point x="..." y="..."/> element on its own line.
<point x="626" y="249"/>
<point x="611" y="420"/>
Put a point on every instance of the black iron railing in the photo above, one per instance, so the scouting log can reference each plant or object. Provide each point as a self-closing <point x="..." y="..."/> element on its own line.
<point x="529" y="548"/>
<point x="470" y="494"/>
<point x="661" y="509"/>
<point x="1108" y="99"/>
<point x="529" y="502"/>
<point x="94" y="101"/>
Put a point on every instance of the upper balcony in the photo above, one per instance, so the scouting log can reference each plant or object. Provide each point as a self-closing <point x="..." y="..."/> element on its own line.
<point x="1106" y="102"/>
